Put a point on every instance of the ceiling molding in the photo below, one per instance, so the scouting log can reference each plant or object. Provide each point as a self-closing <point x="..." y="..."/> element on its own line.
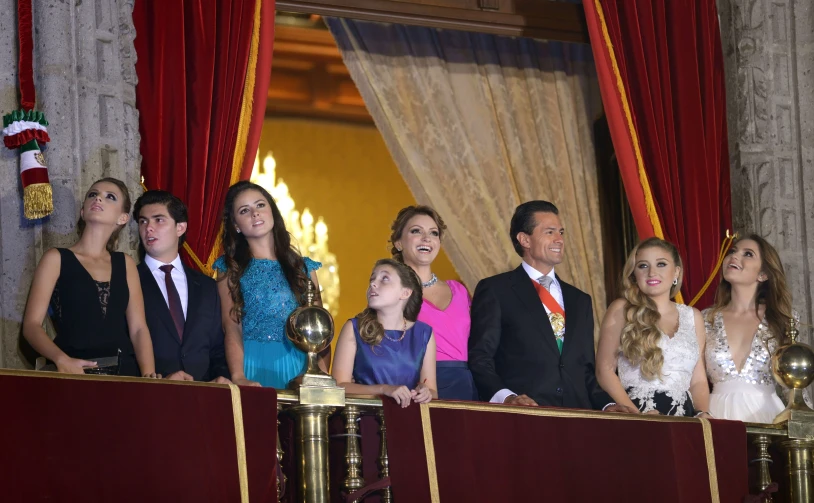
<point x="309" y="79"/>
<point x="542" y="19"/>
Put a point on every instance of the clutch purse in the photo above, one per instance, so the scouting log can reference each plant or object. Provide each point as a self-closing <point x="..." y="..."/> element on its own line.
<point x="108" y="366"/>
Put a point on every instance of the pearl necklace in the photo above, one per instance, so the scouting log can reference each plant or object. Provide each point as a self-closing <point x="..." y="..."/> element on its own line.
<point x="433" y="280"/>
<point x="403" y="333"/>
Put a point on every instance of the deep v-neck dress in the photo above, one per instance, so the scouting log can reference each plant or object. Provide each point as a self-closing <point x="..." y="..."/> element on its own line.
<point x="748" y="394"/>
<point x="90" y="316"/>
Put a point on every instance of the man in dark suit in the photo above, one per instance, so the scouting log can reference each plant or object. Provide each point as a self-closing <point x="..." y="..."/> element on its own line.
<point x="182" y="305"/>
<point x="532" y="335"/>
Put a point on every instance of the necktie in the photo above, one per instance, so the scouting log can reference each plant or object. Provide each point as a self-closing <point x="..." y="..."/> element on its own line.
<point x="557" y="320"/>
<point x="546" y="281"/>
<point x="174" y="300"/>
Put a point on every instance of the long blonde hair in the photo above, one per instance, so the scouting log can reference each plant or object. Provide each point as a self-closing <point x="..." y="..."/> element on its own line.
<point x="773" y="293"/>
<point x="641" y="334"/>
<point x="370" y="329"/>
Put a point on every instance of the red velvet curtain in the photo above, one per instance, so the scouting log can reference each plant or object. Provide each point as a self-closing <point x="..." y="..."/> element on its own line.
<point x="669" y="62"/>
<point x="192" y="96"/>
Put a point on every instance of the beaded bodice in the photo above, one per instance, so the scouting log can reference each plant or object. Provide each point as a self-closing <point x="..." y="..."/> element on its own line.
<point x="718" y="355"/>
<point x="267" y="298"/>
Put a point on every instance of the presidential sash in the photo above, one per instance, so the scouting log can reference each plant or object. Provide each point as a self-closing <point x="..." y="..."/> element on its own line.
<point x="556" y="315"/>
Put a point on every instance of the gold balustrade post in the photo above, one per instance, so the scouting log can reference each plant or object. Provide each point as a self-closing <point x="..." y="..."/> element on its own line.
<point x="384" y="462"/>
<point x="353" y="451"/>
<point x="800" y="470"/>
<point x="763" y="459"/>
<point x="310" y="328"/>
<point x="312" y="452"/>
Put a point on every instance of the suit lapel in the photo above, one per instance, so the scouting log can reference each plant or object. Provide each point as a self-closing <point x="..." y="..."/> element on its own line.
<point x="193" y="300"/>
<point x="521" y="284"/>
<point x="157" y="303"/>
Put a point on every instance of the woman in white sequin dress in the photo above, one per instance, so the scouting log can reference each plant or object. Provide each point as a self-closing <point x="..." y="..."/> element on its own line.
<point x="655" y="344"/>
<point x="744" y="327"/>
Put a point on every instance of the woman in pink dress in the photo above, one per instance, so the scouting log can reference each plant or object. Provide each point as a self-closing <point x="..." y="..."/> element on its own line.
<point x="416" y="240"/>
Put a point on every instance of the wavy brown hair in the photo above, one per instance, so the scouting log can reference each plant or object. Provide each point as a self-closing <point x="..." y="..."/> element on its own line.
<point x="370" y="329"/>
<point x="773" y="293"/>
<point x="404" y="216"/>
<point x="238" y="256"/>
<point x="641" y="334"/>
<point x="113" y="240"/>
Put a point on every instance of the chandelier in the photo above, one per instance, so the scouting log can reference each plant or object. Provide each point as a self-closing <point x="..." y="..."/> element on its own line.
<point x="311" y="238"/>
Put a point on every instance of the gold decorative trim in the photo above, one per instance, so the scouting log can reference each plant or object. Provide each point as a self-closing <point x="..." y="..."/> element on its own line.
<point x="429" y="449"/>
<point x="709" y="447"/>
<point x="104" y="378"/>
<point x="565" y="413"/>
<point x="240" y="442"/>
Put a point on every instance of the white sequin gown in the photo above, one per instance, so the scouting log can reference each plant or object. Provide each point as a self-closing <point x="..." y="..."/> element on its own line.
<point x="749" y="395"/>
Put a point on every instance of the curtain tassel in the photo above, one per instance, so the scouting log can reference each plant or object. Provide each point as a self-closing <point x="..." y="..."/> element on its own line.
<point x="721" y="254"/>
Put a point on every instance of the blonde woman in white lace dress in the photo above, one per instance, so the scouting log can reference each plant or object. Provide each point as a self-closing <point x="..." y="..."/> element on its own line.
<point x="656" y="344"/>
<point x="744" y="327"/>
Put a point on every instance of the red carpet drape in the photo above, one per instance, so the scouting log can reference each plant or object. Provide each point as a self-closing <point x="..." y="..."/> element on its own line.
<point x="136" y="440"/>
<point x="462" y="451"/>
<point x="203" y="69"/>
<point x="661" y="74"/>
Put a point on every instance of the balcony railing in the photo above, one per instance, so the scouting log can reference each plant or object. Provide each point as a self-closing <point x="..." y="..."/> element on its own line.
<point x="795" y="439"/>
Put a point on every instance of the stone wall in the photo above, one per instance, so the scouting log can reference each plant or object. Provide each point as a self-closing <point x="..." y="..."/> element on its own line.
<point x="768" y="50"/>
<point x="84" y="66"/>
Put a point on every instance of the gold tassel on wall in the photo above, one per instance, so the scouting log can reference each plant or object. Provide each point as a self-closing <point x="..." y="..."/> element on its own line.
<point x="38" y="201"/>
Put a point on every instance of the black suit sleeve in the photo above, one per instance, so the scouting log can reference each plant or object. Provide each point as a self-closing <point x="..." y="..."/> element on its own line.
<point x="599" y="398"/>
<point x="484" y="340"/>
<point x="217" y="354"/>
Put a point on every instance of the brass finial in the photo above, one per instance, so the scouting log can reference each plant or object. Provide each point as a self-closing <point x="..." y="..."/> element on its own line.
<point x="310" y="293"/>
<point x="792" y="332"/>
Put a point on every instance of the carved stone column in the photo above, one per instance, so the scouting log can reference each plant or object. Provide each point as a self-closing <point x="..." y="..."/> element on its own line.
<point x="767" y="46"/>
<point x="84" y="67"/>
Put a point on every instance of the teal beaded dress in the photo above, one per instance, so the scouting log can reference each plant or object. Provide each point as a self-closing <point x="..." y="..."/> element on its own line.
<point x="268" y="356"/>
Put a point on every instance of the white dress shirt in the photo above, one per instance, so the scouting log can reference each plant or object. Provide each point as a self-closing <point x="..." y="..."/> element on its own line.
<point x="179" y="277"/>
<point x="556" y="292"/>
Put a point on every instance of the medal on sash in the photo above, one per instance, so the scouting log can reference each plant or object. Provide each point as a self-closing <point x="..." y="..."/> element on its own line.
<point x="556" y="315"/>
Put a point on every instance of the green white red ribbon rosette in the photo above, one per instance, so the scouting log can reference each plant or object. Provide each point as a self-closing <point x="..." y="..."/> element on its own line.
<point x="27" y="130"/>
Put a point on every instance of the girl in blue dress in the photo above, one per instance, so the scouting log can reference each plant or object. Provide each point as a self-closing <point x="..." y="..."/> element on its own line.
<point x="384" y="350"/>
<point x="261" y="280"/>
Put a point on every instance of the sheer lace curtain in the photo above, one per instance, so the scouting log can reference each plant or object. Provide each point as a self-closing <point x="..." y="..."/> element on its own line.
<point x="478" y="124"/>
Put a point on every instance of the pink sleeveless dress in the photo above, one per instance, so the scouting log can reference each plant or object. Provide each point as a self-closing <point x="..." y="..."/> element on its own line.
<point x="451" y="329"/>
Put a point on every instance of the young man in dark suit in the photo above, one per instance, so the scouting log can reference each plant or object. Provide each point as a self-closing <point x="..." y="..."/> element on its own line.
<point x="182" y="305"/>
<point x="532" y="335"/>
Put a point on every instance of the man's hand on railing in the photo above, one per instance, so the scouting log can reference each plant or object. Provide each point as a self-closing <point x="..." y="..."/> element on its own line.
<point x="179" y="375"/>
<point x="519" y="400"/>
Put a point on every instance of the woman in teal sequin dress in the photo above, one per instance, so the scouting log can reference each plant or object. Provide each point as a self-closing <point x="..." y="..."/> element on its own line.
<point x="261" y="280"/>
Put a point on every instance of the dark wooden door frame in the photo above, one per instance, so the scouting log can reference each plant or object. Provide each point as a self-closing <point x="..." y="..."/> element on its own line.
<point x="516" y="18"/>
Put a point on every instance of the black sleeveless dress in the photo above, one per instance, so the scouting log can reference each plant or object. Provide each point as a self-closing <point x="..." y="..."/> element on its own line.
<point x="90" y="316"/>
